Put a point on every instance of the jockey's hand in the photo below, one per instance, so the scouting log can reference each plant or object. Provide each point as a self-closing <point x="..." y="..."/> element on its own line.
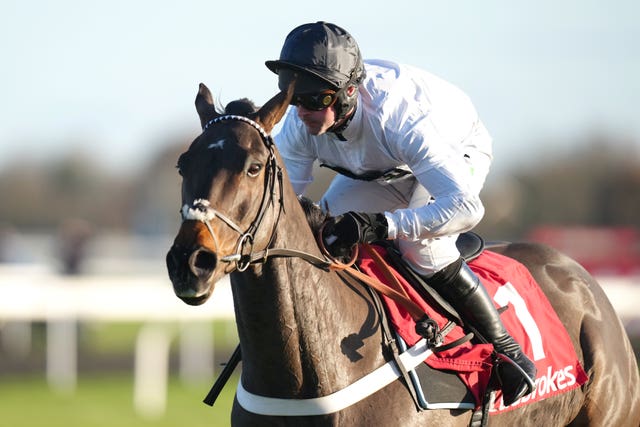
<point x="341" y="233"/>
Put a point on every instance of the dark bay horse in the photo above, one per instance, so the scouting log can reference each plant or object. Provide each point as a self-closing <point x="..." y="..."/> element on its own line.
<point x="297" y="322"/>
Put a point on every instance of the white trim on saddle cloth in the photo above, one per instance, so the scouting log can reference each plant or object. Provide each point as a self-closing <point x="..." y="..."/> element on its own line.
<point x="341" y="399"/>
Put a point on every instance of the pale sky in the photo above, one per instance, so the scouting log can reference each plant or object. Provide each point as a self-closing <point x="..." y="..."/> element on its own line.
<point x="117" y="79"/>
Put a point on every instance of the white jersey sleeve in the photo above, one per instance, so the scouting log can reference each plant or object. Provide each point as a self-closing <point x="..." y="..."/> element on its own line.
<point x="432" y="148"/>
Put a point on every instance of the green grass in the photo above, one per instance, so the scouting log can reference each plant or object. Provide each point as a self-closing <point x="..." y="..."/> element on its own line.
<point x="106" y="398"/>
<point x="106" y="401"/>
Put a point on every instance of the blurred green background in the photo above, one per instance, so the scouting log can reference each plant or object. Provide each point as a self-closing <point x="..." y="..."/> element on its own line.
<point x="104" y="392"/>
<point x="103" y="400"/>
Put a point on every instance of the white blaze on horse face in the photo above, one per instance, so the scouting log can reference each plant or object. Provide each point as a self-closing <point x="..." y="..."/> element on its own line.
<point x="217" y="144"/>
<point x="198" y="214"/>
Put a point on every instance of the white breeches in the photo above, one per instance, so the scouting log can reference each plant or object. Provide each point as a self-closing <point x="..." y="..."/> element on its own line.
<point x="426" y="256"/>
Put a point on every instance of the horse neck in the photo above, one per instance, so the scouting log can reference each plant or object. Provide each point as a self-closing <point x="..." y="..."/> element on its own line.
<point x="291" y="319"/>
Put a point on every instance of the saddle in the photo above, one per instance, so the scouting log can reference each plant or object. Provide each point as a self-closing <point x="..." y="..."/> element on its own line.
<point x="469" y="244"/>
<point x="460" y="376"/>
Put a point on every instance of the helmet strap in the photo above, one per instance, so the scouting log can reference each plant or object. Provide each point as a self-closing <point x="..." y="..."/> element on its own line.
<point x="342" y="123"/>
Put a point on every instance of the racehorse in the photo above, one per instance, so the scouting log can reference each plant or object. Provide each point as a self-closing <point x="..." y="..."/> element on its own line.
<point x="297" y="320"/>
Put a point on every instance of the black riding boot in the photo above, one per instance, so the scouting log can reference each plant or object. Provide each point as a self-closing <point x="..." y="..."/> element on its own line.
<point x="462" y="289"/>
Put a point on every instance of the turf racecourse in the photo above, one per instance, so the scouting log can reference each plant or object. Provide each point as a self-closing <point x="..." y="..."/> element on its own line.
<point x="106" y="401"/>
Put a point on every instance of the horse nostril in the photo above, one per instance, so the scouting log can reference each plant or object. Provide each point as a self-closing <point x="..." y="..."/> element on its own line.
<point x="202" y="263"/>
<point x="205" y="260"/>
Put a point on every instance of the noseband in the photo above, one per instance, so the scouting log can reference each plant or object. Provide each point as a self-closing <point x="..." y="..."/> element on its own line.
<point x="202" y="211"/>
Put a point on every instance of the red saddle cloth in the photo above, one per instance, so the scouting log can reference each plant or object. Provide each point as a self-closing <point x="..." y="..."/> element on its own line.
<point x="530" y="319"/>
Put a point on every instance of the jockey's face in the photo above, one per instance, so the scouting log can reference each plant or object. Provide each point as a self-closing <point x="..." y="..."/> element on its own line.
<point x="317" y="121"/>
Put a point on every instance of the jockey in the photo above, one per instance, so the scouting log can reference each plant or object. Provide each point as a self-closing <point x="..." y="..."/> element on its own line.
<point x="411" y="156"/>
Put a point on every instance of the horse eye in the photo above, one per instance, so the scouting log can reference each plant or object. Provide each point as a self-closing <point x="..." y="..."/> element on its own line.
<point x="254" y="170"/>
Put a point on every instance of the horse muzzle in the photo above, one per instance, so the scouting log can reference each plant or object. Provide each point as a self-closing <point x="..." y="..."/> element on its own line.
<point x="191" y="273"/>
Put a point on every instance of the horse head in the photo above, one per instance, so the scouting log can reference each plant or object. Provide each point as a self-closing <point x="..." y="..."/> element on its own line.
<point x="229" y="203"/>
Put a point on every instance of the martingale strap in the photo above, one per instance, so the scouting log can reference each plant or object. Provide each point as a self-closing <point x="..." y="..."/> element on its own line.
<point x="228" y="369"/>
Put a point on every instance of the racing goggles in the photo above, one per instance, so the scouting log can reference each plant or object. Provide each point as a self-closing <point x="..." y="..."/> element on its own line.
<point x="315" y="101"/>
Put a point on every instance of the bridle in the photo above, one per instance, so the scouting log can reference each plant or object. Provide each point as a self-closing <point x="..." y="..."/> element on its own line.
<point x="201" y="209"/>
<point x="245" y="254"/>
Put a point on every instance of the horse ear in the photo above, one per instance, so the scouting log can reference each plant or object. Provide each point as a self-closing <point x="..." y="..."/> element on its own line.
<point x="271" y="112"/>
<point x="204" y="105"/>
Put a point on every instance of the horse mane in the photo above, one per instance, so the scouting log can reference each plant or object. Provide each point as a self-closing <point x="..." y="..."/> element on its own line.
<point x="314" y="214"/>
<point x="241" y="107"/>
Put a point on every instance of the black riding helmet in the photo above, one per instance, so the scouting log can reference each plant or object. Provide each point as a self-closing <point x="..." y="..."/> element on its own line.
<point x="320" y="56"/>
